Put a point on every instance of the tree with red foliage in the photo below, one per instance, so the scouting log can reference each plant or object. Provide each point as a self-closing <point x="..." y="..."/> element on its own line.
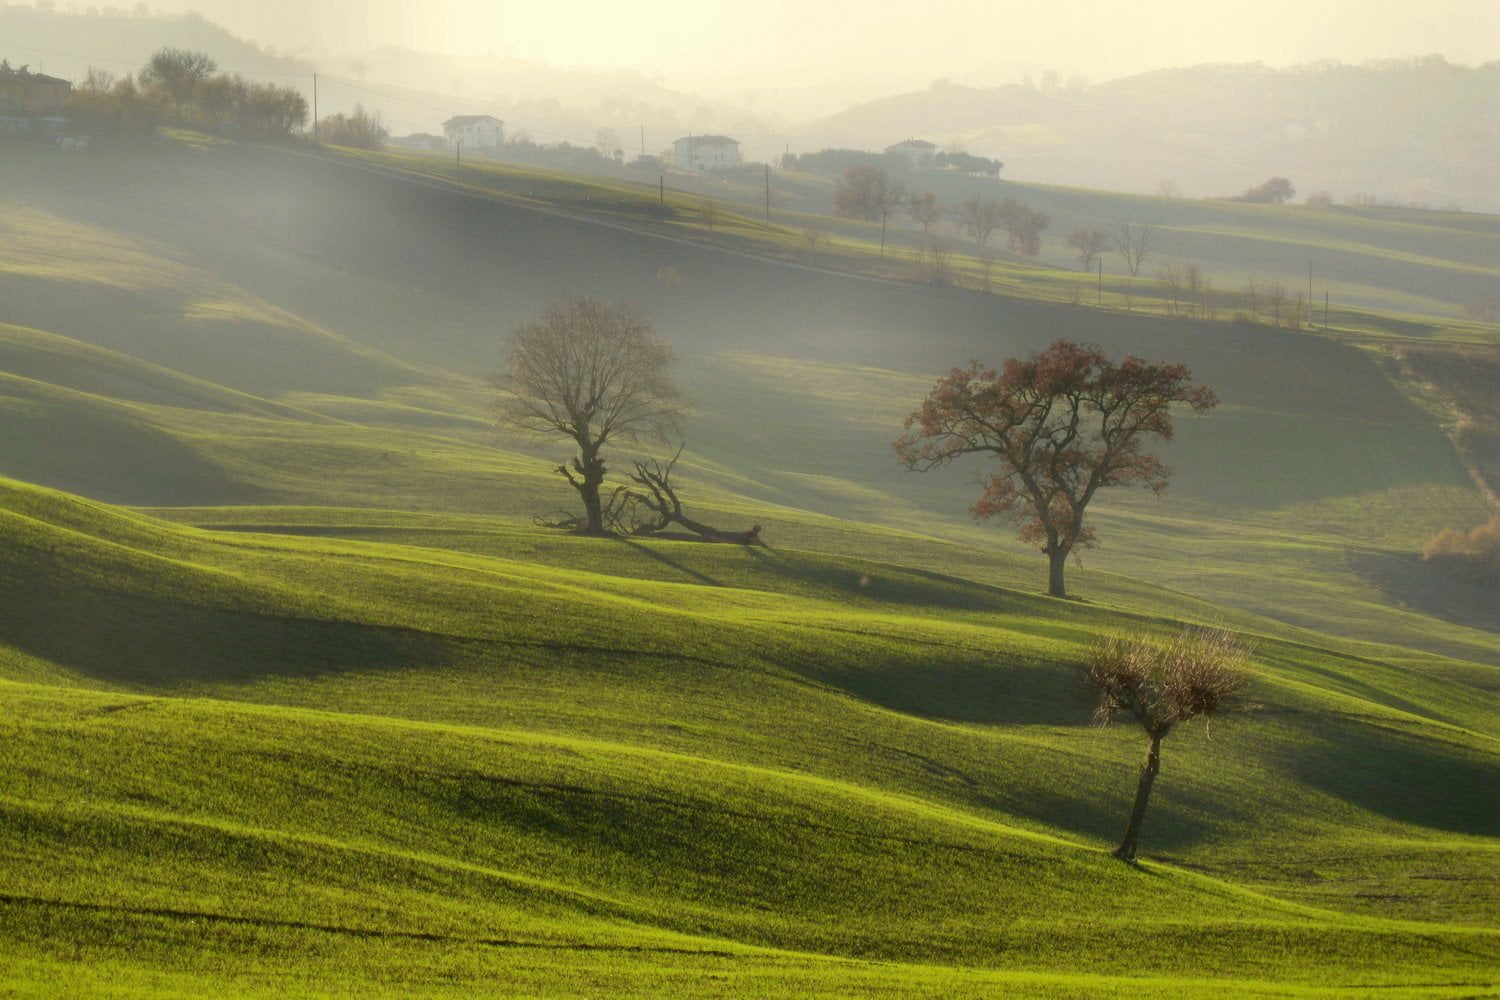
<point x="1063" y="424"/>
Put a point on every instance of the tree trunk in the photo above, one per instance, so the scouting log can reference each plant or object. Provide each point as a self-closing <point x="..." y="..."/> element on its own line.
<point x="590" y="468"/>
<point x="1126" y="850"/>
<point x="1057" y="556"/>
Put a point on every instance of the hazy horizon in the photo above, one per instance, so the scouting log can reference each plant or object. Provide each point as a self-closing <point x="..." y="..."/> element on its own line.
<point x="833" y="53"/>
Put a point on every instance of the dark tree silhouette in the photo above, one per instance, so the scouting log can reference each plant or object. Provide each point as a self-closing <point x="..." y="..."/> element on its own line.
<point x="925" y="210"/>
<point x="1089" y="242"/>
<point x="596" y="372"/>
<point x="979" y="217"/>
<point x="1196" y="675"/>
<point x="866" y="193"/>
<point x="1062" y="425"/>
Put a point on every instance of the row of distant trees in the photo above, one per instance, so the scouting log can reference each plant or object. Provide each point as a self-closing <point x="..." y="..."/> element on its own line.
<point x="179" y="86"/>
<point x="866" y="192"/>
<point x="832" y="161"/>
<point x="183" y="87"/>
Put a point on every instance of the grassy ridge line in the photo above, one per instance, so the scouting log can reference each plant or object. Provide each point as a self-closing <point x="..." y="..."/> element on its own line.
<point x="99" y="373"/>
<point x="361" y="763"/>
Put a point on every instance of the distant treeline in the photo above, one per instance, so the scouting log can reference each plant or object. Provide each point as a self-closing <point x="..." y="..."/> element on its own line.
<point x="835" y="161"/>
<point x="180" y="87"/>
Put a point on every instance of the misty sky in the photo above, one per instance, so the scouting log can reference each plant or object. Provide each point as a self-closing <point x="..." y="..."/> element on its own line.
<point x="771" y="43"/>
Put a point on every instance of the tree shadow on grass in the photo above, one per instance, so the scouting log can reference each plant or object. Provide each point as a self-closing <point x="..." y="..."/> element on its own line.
<point x="1412" y="779"/>
<point x="653" y="553"/>
<point x="1422" y="586"/>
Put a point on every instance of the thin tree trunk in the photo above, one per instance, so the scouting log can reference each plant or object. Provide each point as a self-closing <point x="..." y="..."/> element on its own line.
<point x="1126" y="850"/>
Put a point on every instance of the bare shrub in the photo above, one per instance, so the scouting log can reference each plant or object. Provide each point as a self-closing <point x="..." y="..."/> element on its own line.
<point x="1471" y="555"/>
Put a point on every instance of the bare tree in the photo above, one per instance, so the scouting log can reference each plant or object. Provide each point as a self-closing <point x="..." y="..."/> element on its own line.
<point x="1199" y="291"/>
<point x="709" y="212"/>
<point x="1275" y="299"/>
<point x="925" y="210"/>
<point x="595" y="372"/>
<point x="1090" y="243"/>
<point x="865" y="192"/>
<point x="816" y="237"/>
<point x="979" y="217"/>
<point x="1024" y="225"/>
<point x="1197" y="674"/>
<point x="1132" y="240"/>
<point x="1174" y="283"/>
<point x="937" y="262"/>
<point x="656" y="494"/>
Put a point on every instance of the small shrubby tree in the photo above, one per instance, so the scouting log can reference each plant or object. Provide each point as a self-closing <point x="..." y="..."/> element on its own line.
<point x="595" y="372"/>
<point x="1276" y="191"/>
<point x="361" y="130"/>
<point x="1196" y="675"/>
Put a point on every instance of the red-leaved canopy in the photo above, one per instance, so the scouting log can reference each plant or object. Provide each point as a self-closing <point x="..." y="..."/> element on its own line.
<point x="1061" y="425"/>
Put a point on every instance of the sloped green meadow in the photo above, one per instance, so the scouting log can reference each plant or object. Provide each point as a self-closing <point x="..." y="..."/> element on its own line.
<point x="296" y="700"/>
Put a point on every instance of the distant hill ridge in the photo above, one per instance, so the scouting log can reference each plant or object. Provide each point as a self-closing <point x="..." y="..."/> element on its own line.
<point x="1418" y="130"/>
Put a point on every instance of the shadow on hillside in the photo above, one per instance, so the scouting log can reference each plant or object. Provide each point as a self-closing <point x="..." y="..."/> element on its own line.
<point x="156" y="642"/>
<point x="100" y="453"/>
<point x="1410" y="779"/>
<point x="1412" y="583"/>
<point x="959" y="689"/>
<point x="661" y="557"/>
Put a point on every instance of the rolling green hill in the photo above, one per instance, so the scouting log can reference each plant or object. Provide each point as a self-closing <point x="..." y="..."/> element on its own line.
<point x="299" y="702"/>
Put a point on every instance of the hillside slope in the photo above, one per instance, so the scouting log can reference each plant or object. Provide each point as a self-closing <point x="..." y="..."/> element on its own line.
<point x="467" y="749"/>
<point x="369" y="308"/>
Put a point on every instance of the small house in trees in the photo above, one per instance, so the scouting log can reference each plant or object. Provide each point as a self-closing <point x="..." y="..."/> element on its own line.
<point x="474" y="131"/>
<point x="33" y="93"/>
<point x="706" y="152"/>
<point x="31" y="104"/>
<point x="919" y="152"/>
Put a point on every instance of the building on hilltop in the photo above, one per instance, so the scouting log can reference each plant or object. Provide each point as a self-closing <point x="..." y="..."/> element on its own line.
<point x="918" y="151"/>
<point x="31" y="104"/>
<point x="705" y="152"/>
<point x="474" y="131"/>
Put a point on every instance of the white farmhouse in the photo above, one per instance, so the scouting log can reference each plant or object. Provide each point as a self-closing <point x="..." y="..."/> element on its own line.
<point x="474" y="131"/>
<point x="919" y="151"/>
<point x="706" y="152"/>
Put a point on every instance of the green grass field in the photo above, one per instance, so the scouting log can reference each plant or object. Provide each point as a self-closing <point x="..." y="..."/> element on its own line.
<point x="299" y="702"/>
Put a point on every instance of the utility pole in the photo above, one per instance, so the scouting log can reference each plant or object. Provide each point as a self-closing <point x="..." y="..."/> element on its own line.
<point x="883" y="211"/>
<point x="643" y="142"/>
<point x="661" y="190"/>
<point x="458" y="156"/>
<point x="768" y="196"/>
<point x="1325" y="310"/>
<point x="1099" y="295"/>
<point x="1309" y="283"/>
<point x="315" y="107"/>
